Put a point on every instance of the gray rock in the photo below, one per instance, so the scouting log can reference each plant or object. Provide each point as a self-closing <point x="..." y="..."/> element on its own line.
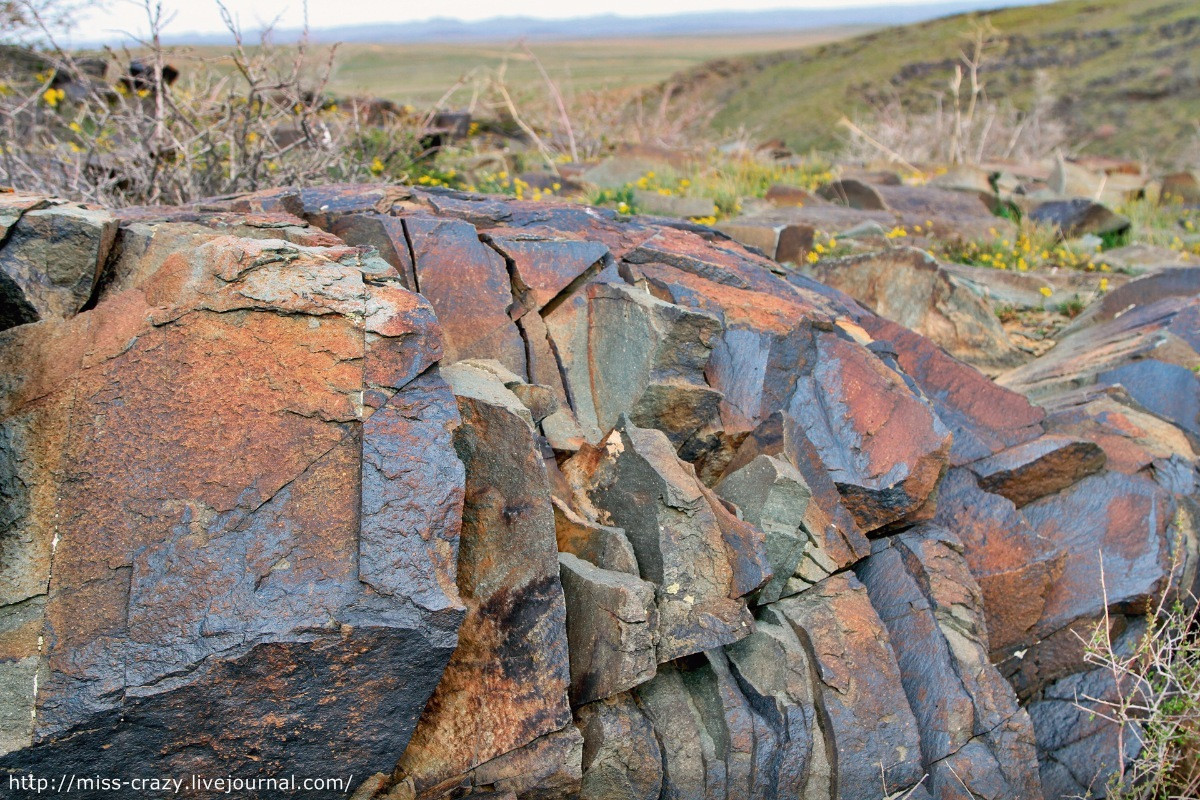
<point x="634" y="480"/>
<point x="612" y="625"/>
<point x="772" y="494"/>
<point x="51" y="261"/>
<point x="621" y="758"/>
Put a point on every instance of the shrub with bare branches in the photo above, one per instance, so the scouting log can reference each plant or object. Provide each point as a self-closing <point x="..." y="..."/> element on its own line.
<point x="1156" y="700"/>
<point x="259" y="117"/>
<point x="965" y="126"/>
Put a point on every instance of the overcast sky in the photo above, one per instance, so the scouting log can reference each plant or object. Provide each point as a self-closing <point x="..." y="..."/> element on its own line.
<point x="201" y="16"/>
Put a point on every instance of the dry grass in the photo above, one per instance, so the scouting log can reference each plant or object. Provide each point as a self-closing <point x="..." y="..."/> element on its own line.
<point x="142" y="140"/>
<point x="1157" y="700"/>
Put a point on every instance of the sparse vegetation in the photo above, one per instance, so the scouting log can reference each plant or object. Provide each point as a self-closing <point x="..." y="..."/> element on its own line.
<point x="1155" y="700"/>
<point x="140" y="139"/>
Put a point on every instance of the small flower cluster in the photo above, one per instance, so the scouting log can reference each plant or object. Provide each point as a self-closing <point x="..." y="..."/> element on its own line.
<point x="1019" y="254"/>
<point x="824" y="246"/>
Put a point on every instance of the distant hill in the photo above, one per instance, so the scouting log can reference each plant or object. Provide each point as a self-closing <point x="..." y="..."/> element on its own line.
<point x="611" y="25"/>
<point x="1124" y="75"/>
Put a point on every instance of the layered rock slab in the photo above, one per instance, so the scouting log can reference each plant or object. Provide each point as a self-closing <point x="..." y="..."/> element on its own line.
<point x="700" y="559"/>
<point x="224" y="533"/>
<point x="505" y="689"/>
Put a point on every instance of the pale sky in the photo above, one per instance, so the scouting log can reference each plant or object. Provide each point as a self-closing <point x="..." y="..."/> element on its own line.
<point x="201" y="16"/>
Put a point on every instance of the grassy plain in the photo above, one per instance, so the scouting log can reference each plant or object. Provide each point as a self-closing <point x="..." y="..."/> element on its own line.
<point x="420" y="73"/>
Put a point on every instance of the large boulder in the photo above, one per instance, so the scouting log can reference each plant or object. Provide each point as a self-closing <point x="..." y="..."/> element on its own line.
<point x="492" y="498"/>
<point x="231" y="486"/>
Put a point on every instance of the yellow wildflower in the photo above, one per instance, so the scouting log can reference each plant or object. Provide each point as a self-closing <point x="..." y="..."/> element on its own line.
<point x="376" y="166"/>
<point x="53" y="97"/>
<point x="1046" y="291"/>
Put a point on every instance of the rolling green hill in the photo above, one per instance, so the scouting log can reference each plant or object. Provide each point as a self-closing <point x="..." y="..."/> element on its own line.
<point x="1123" y="75"/>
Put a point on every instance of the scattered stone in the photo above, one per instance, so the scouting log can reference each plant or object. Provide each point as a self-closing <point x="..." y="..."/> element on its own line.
<point x="910" y="288"/>
<point x="781" y="241"/>
<point x="1078" y="216"/>
<point x="782" y="194"/>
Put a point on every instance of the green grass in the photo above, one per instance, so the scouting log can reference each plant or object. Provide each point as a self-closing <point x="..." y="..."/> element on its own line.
<point x="1129" y="70"/>
<point x="420" y="74"/>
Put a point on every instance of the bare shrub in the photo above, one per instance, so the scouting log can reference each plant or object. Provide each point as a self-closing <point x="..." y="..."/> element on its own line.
<point x="260" y="117"/>
<point x="564" y="123"/>
<point x="965" y="126"/>
<point x="1156" y="700"/>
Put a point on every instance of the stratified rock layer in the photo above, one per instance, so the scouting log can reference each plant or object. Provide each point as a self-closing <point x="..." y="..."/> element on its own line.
<point x="504" y="499"/>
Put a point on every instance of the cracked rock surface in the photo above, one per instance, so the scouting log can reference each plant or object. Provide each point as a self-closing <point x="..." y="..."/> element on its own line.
<point x="469" y="496"/>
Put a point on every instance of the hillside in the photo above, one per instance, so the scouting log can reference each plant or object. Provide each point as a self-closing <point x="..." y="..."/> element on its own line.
<point x="1124" y="75"/>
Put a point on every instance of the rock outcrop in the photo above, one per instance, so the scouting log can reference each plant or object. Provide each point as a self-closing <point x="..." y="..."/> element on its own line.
<point x="491" y="498"/>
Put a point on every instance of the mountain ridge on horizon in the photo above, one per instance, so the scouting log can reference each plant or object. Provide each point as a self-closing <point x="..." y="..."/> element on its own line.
<point x="449" y="30"/>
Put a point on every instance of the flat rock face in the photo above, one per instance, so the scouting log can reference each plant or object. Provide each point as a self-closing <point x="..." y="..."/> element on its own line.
<point x="491" y="498"/>
<point x="51" y="260"/>
<point x="256" y="509"/>
<point x="908" y="287"/>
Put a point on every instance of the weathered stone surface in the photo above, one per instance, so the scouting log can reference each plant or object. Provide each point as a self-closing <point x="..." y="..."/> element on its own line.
<point x="449" y="256"/>
<point x="604" y="546"/>
<point x="506" y="685"/>
<point x="1181" y="281"/>
<point x="673" y="205"/>
<point x="234" y="528"/>
<point x="1015" y="571"/>
<point x="772" y="495"/>
<point x="882" y="446"/>
<point x="910" y="288"/>
<point x="874" y="740"/>
<point x="239" y="466"/>
<point x="546" y="268"/>
<point x="621" y="758"/>
<point x="646" y="358"/>
<point x="837" y="534"/>
<point x="785" y="242"/>
<point x="692" y="766"/>
<point x="776" y="676"/>
<point x="612" y="624"/>
<point x="965" y="711"/>
<point x="983" y="417"/>
<point x="384" y="233"/>
<point x="942" y="212"/>
<point x="635" y="481"/>
<point x="1132" y="438"/>
<point x="1038" y="468"/>
<point x="1080" y="750"/>
<point x="1165" y="332"/>
<point x="1171" y="391"/>
<point x="50" y="261"/>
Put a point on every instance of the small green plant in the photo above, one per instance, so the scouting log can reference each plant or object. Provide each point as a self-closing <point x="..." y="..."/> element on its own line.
<point x="1156" y="699"/>
<point x="1071" y="308"/>
<point x="1007" y="313"/>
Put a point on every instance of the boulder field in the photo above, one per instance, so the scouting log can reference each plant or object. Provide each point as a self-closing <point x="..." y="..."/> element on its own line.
<point x="466" y="496"/>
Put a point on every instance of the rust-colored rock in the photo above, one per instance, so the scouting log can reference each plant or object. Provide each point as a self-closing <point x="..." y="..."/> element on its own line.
<point x="506" y="685"/>
<point x="228" y="531"/>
